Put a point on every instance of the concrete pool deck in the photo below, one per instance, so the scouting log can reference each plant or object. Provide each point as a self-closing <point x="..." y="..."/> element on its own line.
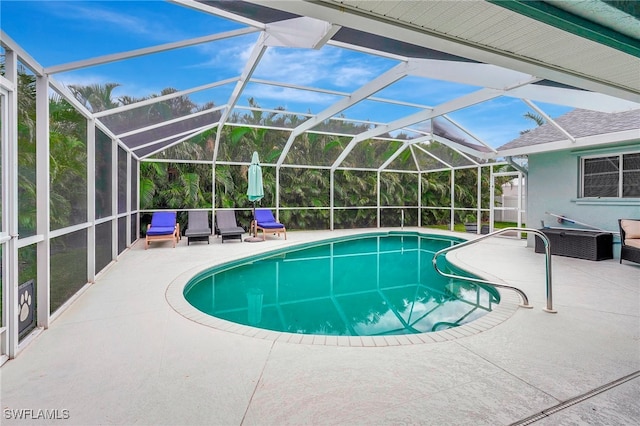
<point x="121" y="354"/>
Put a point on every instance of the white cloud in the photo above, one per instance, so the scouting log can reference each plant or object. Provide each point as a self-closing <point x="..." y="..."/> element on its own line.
<point x="93" y="14"/>
<point x="229" y="54"/>
<point x="154" y="21"/>
<point x="329" y="68"/>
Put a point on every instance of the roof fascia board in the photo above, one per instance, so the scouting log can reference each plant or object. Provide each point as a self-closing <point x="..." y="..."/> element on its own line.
<point x="9" y="44"/>
<point x="574" y="24"/>
<point x="339" y="14"/>
<point x="384" y="80"/>
<point x="549" y="119"/>
<point x="584" y="142"/>
<point x="157" y="99"/>
<point x="100" y="60"/>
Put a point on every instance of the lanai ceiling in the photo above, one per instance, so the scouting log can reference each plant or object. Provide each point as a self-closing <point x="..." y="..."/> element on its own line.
<point x="579" y="54"/>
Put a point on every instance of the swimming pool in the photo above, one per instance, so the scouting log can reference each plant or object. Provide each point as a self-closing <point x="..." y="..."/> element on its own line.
<point x="368" y="285"/>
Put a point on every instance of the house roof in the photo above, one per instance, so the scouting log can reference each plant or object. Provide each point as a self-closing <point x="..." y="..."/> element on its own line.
<point x="579" y="124"/>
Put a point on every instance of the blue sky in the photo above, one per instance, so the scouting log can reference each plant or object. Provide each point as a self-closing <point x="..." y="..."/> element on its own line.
<point x="59" y="32"/>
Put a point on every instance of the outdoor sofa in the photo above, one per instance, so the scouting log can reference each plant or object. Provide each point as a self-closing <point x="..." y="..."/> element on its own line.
<point x="629" y="239"/>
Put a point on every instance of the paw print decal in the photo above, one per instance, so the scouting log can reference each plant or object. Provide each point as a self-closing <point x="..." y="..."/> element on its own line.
<point x="24" y="306"/>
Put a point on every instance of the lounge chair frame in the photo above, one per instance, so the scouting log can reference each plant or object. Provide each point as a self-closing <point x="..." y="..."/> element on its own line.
<point x="272" y="226"/>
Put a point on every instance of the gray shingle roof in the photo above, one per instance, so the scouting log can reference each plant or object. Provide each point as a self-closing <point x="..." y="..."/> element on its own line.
<point x="578" y="123"/>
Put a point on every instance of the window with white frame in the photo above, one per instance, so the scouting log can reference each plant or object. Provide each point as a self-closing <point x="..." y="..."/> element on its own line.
<point x="614" y="176"/>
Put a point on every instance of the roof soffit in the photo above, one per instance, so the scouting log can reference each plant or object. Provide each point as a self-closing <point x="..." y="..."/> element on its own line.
<point x="487" y="33"/>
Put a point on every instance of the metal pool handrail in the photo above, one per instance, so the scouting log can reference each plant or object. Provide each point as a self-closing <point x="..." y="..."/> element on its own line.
<point x="525" y="299"/>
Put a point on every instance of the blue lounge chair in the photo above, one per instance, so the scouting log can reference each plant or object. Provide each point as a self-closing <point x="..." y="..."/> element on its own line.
<point x="163" y="227"/>
<point x="267" y="223"/>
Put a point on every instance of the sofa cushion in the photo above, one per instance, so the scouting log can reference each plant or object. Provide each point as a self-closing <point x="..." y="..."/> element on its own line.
<point x="632" y="242"/>
<point x="631" y="229"/>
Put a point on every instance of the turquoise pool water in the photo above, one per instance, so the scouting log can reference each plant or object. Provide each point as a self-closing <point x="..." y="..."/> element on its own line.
<point x="375" y="284"/>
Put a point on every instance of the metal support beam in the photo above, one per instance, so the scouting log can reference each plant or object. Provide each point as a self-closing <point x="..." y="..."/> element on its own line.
<point x="377" y="84"/>
<point x="91" y="200"/>
<point x="247" y="72"/>
<point x="549" y="119"/>
<point x="452" y="188"/>
<point x="11" y="287"/>
<point x="43" y="200"/>
<point x="128" y="201"/>
<point x="114" y="200"/>
<point x="459" y="103"/>
<point x="146" y="51"/>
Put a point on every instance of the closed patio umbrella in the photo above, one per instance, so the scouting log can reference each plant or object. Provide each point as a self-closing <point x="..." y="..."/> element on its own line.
<point x="255" y="190"/>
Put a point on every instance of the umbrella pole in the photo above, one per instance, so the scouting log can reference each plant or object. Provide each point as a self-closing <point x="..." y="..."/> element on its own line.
<point x="255" y="224"/>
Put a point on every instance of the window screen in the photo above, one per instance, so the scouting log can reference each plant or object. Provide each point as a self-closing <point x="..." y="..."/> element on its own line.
<point x="611" y="176"/>
<point x="601" y="177"/>
<point x="631" y="175"/>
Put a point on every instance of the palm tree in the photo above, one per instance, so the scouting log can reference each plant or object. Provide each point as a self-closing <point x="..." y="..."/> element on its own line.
<point x="536" y="118"/>
<point x="96" y="97"/>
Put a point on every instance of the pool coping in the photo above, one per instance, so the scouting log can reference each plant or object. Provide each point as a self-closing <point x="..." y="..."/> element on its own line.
<point x="174" y="294"/>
